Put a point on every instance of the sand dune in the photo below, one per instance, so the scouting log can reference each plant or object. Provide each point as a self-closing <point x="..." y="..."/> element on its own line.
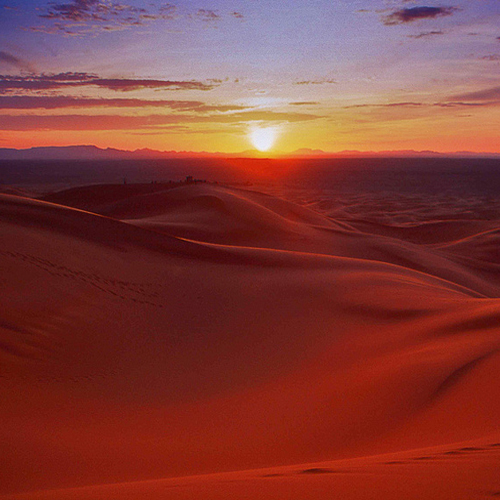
<point x="425" y="233"/>
<point x="217" y="214"/>
<point x="202" y="329"/>
<point x="484" y="246"/>
<point x="448" y="473"/>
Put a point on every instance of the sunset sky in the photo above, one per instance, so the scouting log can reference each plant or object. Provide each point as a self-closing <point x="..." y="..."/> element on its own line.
<point x="198" y="75"/>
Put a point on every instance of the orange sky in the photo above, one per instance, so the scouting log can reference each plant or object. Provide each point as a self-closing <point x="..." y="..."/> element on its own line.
<point x="366" y="75"/>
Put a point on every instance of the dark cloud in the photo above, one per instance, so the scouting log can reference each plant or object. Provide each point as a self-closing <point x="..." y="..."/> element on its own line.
<point x="80" y="11"/>
<point x="427" y="34"/>
<point x="491" y="94"/>
<point x="67" y="80"/>
<point x="411" y="14"/>
<point x="79" y="17"/>
<point x="304" y="103"/>
<point x="8" y="59"/>
<point x="102" y="12"/>
<point x="125" y="85"/>
<point x="117" y="122"/>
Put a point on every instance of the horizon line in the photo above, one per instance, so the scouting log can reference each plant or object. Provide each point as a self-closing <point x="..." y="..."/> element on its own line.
<point x="250" y="153"/>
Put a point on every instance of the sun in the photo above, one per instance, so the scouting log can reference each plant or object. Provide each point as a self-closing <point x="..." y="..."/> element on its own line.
<point x="263" y="138"/>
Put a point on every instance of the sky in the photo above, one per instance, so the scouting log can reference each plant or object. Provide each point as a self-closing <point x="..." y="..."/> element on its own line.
<point x="199" y="75"/>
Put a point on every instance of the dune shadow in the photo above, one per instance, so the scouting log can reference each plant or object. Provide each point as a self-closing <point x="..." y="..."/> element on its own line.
<point x="318" y="470"/>
<point x="457" y="375"/>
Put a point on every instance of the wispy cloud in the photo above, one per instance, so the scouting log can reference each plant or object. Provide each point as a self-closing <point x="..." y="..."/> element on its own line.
<point x="72" y="16"/>
<point x="410" y="14"/>
<point x="9" y="59"/>
<point x="386" y="105"/>
<point x="62" y="102"/>
<point x="81" y="17"/>
<point x="490" y="94"/>
<point x="491" y="57"/>
<point x="491" y="97"/>
<point x="5" y="57"/>
<point x="148" y="122"/>
<point x="427" y="34"/>
<point x="80" y="11"/>
<point x="67" y="80"/>
<point x="315" y="82"/>
<point x="304" y="103"/>
<point x="462" y="104"/>
<point x="207" y="15"/>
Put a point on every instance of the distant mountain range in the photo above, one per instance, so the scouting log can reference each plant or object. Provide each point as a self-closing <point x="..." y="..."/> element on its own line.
<point x="95" y="153"/>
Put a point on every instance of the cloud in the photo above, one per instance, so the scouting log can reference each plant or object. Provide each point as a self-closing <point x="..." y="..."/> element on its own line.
<point x="314" y="82"/>
<point x="208" y="15"/>
<point x="491" y="94"/>
<point x="230" y="129"/>
<point x="460" y="104"/>
<point x="111" y="14"/>
<point x="81" y="17"/>
<point x="10" y="60"/>
<point x="491" y="57"/>
<point x="62" y="102"/>
<point x="410" y="14"/>
<point x="80" y="11"/>
<point x="388" y="105"/>
<point x="426" y="34"/>
<point x="471" y="100"/>
<point x="304" y="103"/>
<point x="266" y="116"/>
<point x="125" y="85"/>
<point x="148" y="122"/>
<point x="67" y="80"/>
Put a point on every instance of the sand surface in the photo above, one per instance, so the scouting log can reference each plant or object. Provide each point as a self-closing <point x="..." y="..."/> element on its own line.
<point x="218" y="343"/>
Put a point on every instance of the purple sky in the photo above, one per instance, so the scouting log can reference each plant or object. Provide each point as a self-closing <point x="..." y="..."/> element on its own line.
<point x="365" y="74"/>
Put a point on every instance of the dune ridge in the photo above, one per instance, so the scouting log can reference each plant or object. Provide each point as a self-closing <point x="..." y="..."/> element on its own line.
<point x="204" y="329"/>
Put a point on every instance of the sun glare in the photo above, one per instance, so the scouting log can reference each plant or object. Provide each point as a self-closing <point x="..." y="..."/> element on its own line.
<point x="263" y="138"/>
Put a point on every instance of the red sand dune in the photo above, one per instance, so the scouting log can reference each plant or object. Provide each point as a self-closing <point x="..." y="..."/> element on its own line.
<point x="215" y="330"/>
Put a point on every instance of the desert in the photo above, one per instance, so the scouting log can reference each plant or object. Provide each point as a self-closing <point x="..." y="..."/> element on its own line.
<point x="213" y="341"/>
<point x="249" y="250"/>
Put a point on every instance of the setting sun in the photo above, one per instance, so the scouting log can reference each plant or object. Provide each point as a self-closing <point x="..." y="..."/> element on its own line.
<point x="263" y="138"/>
